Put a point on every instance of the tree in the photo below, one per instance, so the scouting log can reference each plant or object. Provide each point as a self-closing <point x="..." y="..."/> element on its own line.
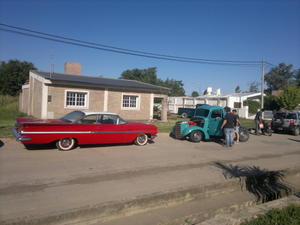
<point x="237" y="89"/>
<point x="145" y="75"/>
<point x="279" y="76"/>
<point x="290" y="97"/>
<point x="271" y="103"/>
<point x="176" y="87"/>
<point x="253" y="86"/>
<point x="195" y="94"/>
<point x="297" y="77"/>
<point x="13" y="74"/>
<point x="149" y="76"/>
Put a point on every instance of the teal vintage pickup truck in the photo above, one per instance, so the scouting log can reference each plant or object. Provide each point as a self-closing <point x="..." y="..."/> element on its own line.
<point x="204" y="125"/>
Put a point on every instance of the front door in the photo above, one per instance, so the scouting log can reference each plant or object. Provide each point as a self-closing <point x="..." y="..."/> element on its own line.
<point x="215" y="122"/>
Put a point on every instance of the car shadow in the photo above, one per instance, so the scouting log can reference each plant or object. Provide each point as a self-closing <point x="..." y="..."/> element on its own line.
<point x="265" y="185"/>
<point x="1" y="143"/>
<point x="291" y="139"/>
<point x="50" y="146"/>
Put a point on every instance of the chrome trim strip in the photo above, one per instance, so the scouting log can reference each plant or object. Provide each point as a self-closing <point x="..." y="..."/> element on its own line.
<point x="20" y="137"/>
<point x="84" y="132"/>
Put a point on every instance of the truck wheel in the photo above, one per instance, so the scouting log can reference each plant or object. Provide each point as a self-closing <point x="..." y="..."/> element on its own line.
<point x="244" y="134"/>
<point x="296" y="131"/>
<point x="195" y="136"/>
<point x="141" y="140"/>
<point x="65" y="144"/>
<point x="184" y="115"/>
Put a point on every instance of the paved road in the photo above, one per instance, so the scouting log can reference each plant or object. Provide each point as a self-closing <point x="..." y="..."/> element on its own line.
<point x="35" y="183"/>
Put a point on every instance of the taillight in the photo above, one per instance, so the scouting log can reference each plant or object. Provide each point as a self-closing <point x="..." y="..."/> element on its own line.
<point x="292" y="122"/>
<point x="192" y="123"/>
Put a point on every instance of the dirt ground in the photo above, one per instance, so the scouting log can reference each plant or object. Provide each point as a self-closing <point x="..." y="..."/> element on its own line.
<point x="45" y="181"/>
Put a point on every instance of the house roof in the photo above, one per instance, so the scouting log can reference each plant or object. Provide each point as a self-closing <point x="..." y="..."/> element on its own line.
<point x="101" y="81"/>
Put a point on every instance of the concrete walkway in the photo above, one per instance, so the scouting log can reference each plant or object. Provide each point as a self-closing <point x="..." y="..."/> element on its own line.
<point x="98" y="183"/>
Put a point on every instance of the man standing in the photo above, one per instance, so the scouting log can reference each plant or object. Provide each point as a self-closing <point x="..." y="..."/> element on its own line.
<point x="258" y="120"/>
<point x="228" y="125"/>
<point x="236" y="125"/>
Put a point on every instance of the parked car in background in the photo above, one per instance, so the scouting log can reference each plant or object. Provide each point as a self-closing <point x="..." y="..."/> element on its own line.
<point x="187" y="112"/>
<point x="287" y="122"/>
<point x="83" y="127"/>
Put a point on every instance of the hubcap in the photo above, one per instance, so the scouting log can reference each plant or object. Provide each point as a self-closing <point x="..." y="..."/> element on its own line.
<point x="66" y="143"/>
<point x="141" y="139"/>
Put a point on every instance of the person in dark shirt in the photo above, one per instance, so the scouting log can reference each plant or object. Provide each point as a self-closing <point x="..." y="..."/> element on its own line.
<point x="236" y="125"/>
<point x="258" y="119"/>
<point x="228" y="125"/>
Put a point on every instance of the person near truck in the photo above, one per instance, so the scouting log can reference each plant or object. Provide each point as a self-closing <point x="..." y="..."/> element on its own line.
<point x="228" y="125"/>
<point x="236" y="125"/>
<point x="258" y="121"/>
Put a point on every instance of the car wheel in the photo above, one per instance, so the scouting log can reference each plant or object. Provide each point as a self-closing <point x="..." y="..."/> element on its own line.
<point x="184" y="115"/>
<point x="195" y="136"/>
<point x="296" y="131"/>
<point x="65" y="144"/>
<point x="141" y="140"/>
<point x="244" y="134"/>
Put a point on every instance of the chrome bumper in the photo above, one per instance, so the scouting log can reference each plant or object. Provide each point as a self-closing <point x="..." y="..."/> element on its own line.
<point x="19" y="137"/>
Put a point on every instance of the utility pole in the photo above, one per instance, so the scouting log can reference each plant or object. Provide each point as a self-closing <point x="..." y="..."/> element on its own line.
<point x="262" y="82"/>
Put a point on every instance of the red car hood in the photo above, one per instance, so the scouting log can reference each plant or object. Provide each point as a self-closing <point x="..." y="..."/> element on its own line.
<point x="40" y="121"/>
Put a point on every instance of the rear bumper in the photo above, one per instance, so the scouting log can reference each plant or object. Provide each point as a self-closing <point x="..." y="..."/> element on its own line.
<point x="19" y="137"/>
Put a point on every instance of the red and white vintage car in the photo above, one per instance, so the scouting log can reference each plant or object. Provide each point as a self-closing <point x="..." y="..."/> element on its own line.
<point x="83" y="127"/>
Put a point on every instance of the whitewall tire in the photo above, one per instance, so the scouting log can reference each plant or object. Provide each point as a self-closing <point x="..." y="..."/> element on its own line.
<point x="66" y="144"/>
<point x="141" y="140"/>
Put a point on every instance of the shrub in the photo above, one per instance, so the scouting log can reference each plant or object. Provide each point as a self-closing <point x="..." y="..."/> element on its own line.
<point x="271" y="103"/>
<point x="286" y="216"/>
<point x="253" y="106"/>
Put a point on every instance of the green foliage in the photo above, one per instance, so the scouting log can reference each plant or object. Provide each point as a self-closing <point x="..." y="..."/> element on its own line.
<point x="290" y="97"/>
<point x="13" y="75"/>
<point x="280" y="76"/>
<point x="253" y="106"/>
<point x="287" y="216"/>
<point x="149" y="76"/>
<point x="254" y="87"/>
<point x="297" y="78"/>
<point x="271" y="103"/>
<point x="195" y="94"/>
<point x="8" y="113"/>
<point x="237" y="89"/>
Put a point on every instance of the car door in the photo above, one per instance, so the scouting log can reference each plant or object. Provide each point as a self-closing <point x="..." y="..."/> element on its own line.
<point x="110" y="129"/>
<point x="215" y="122"/>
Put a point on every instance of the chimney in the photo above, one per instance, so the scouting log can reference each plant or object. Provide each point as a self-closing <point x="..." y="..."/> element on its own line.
<point x="72" y="68"/>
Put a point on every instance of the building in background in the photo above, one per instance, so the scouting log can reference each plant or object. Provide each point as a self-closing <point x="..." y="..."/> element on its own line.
<point x="234" y="100"/>
<point x="51" y="95"/>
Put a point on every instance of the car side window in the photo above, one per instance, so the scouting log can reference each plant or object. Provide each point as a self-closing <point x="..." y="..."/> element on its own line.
<point x="90" y="119"/>
<point x="216" y="113"/>
<point x="109" y="119"/>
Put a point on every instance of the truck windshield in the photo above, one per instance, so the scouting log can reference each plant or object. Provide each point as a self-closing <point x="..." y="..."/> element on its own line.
<point x="202" y="112"/>
<point x="73" y="116"/>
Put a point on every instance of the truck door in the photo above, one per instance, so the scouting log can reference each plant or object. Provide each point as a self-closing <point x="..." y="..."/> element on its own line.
<point x="215" y="122"/>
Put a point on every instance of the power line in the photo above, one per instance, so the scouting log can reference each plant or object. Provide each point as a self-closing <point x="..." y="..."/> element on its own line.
<point x="76" y="42"/>
<point x="128" y="50"/>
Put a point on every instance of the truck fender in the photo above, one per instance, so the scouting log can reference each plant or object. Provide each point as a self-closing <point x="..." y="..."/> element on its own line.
<point x="189" y="129"/>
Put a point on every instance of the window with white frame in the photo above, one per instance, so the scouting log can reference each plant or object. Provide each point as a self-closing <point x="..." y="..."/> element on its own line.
<point x="76" y="99"/>
<point x="130" y="101"/>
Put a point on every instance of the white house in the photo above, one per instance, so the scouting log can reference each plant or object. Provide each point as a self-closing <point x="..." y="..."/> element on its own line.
<point x="234" y="100"/>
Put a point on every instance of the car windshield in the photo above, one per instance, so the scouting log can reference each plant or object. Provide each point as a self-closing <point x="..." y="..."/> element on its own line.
<point x="201" y="112"/>
<point x="73" y="116"/>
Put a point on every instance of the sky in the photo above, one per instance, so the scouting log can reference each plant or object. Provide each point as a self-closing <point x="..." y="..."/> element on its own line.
<point x="252" y="30"/>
